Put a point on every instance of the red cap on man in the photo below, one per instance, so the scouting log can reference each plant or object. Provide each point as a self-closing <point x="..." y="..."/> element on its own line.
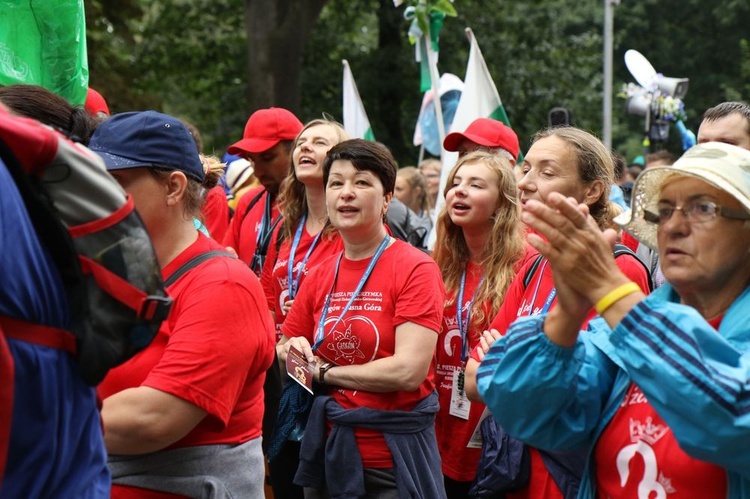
<point x="485" y="132"/>
<point x="265" y="129"/>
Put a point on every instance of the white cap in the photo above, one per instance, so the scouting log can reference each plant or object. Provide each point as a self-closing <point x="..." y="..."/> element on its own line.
<point x="724" y="166"/>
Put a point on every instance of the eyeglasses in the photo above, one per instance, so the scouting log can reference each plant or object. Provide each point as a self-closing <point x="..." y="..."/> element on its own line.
<point x="694" y="212"/>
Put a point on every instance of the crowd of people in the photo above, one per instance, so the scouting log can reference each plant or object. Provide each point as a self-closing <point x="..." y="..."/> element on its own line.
<point x="556" y="342"/>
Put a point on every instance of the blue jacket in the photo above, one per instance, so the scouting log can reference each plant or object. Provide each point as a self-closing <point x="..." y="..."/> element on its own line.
<point x="697" y="380"/>
<point x="335" y="460"/>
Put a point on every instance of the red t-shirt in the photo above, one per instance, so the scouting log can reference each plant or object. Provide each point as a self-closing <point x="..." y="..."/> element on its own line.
<point x="638" y="455"/>
<point x="213" y="350"/>
<point x="405" y="286"/>
<point x="243" y="229"/>
<point x="522" y="301"/>
<point x="275" y="278"/>
<point x="454" y="433"/>
<point x="216" y="213"/>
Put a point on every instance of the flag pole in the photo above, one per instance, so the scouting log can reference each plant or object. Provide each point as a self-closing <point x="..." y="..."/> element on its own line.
<point x="435" y="77"/>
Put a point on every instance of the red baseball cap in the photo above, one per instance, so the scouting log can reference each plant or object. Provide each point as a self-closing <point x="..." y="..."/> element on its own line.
<point x="95" y="103"/>
<point x="265" y="129"/>
<point x="485" y="132"/>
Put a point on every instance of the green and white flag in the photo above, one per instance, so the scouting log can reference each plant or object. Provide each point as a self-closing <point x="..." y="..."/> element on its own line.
<point x="480" y="98"/>
<point x="356" y="123"/>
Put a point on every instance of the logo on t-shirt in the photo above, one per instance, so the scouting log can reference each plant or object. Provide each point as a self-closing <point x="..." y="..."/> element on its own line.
<point x="346" y="347"/>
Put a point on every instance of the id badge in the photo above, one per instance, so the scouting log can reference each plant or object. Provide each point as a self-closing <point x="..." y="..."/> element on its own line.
<point x="476" y="438"/>
<point x="460" y="404"/>
<point x="299" y="369"/>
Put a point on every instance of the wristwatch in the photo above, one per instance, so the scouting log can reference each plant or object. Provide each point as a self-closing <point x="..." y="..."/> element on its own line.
<point x="322" y="370"/>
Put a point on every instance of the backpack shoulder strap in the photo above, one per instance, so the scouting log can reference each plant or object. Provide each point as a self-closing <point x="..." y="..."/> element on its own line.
<point x="194" y="262"/>
<point x="621" y="249"/>
<point x="253" y="202"/>
<point x="532" y="270"/>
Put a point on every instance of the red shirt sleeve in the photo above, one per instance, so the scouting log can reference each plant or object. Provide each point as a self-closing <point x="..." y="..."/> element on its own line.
<point x="207" y="350"/>
<point x="216" y="213"/>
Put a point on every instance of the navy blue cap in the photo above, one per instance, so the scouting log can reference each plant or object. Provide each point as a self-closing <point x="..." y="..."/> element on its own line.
<point x="147" y="138"/>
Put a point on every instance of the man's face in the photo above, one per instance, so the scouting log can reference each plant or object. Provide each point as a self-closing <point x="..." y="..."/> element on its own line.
<point x="271" y="166"/>
<point x="731" y="129"/>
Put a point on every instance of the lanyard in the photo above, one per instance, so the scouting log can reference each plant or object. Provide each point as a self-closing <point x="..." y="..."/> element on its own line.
<point x="294" y="282"/>
<point x="550" y="297"/>
<point x="320" y="335"/>
<point x="265" y="231"/>
<point x="463" y="320"/>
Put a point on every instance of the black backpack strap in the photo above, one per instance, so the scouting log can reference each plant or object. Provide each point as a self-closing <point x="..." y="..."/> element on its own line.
<point x="621" y="249"/>
<point x="194" y="262"/>
<point x="253" y="202"/>
<point x="532" y="270"/>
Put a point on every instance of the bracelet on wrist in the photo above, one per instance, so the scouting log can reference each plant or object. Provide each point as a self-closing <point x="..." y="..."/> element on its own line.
<point x="322" y="370"/>
<point x="615" y="295"/>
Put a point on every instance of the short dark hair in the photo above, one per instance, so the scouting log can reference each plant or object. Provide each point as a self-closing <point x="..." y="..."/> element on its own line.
<point x="725" y="109"/>
<point x="365" y="156"/>
<point x="662" y="155"/>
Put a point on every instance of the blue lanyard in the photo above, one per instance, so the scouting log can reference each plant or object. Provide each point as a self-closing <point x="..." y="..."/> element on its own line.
<point x="320" y="334"/>
<point x="463" y="320"/>
<point x="550" y="297"/>
<point x="294" y="282"/>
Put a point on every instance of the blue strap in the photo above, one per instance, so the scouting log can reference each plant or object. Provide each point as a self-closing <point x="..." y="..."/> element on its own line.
<point x="320" y="333"/>
<point x="292" y="280"/>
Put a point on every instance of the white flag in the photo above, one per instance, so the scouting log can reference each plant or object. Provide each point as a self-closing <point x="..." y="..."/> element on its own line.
<point x="356" y="123"/>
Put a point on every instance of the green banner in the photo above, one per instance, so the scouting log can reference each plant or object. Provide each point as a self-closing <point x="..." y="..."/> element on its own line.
<point x="43" y="42"/>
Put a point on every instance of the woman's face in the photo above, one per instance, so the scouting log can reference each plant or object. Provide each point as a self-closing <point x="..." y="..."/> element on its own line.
<point x="432" y="175"/>
<point x="702" y="257"/>
<point x="355" y="199"/>
<point x="404" y="191"/>
<point x="310" y="150"/>
<point x="550" y="166"/>
<point x="149" y="195"/>
<point x="473" y="197"/>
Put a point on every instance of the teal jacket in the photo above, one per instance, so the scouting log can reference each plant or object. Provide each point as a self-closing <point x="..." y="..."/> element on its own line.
<point x="697" y="380"/>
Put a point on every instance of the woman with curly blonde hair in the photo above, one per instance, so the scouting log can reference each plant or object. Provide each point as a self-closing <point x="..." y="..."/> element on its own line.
<point x="480" y="245"/>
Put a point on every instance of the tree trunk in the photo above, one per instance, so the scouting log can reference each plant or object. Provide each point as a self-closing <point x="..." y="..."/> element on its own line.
<point x="277" y="31"/>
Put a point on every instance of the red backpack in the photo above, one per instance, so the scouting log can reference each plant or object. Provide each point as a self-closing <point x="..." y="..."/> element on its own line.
<point x="98" y="242"/>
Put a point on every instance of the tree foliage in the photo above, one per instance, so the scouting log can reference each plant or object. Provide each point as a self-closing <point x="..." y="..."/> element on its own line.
<point x="194" y="59"/>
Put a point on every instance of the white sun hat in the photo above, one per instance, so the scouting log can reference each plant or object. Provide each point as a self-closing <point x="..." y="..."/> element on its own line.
<point x="723" y="166"/>
<point x="238" y="172"/>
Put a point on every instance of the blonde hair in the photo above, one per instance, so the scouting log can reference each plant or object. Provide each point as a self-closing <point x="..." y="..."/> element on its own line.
<point x="594" y="162"/>
<point x="430" y="164"/>
<point x="505" y="246"/>
<point x="416" y="180"/>
<point x="292" y="197"/>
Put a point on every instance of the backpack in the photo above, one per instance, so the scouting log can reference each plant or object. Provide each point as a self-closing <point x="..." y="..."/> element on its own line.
<point x="97" y="240"/>
<point x="407" y="225"/>
<point x="617" y="251"/>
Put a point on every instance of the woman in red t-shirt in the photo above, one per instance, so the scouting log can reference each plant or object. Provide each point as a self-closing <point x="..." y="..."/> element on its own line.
<point x="576" y="164"/>
<point x="479" y="247"/>
<point x="365" y="324"/>
<point x="303" y="241"/>
<point x="185" y="413"/>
